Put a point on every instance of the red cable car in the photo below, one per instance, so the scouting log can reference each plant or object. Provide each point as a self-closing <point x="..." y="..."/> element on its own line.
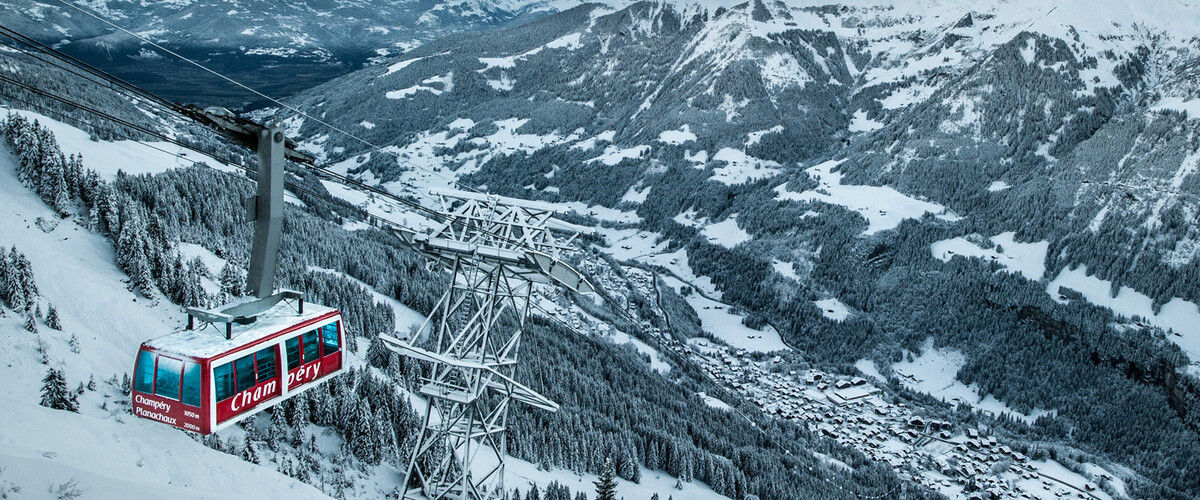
<point x="201" y="381"/>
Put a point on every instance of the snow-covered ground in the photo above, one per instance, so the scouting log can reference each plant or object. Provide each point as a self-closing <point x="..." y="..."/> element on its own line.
<point x="934" y="372"/>
<point x="1026" y="259"/>
<point x="741" y="168"/>
<point x="869" y="369"/>
<point x="110" y="453"/>
<point x="684" y="134"/>
<point x="1179" y="317"/>
<point x="883" y="207"/>
<point x="726" y="233"/>
<point x="716" y="319"/>
<point x="131" y="157"/>
<point x="714" y="402"/>
<point x="787" y="269"/>
<point x="833" y="309"/>
<point x="860" y="122"/>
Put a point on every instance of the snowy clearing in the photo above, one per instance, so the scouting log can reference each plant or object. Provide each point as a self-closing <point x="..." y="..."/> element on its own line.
<point x="741" y="168"/>
<point x="1026" y="259"/>
<point x="934" y="371"/>
<point x="833" y="309"/>
<point x="676" y="137"/>
<point x="860" y="122"/>
<point x="787" y="269"/>
<point x="1179" y="317"/>
<point x="883" y="207"/>
<point x="726" y="233"/>
<point x="716" y="319"/>
<point x="400" y="65"/>
<point x="714" y="402"/>
<point x="613" y="155"/>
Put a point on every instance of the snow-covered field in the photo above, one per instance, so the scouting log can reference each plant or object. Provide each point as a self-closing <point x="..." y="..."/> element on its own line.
<point x="741" y="168"/>
<point x="883" y="207"/>
<point x="934" y="372"/>
<point x="726" y="233"/>
<point x="1179" y="317"/>
<point x="1026" y="259"/>
<point x="716" y="319"/>
<point x="833" y="309"/>
<point x="110" y="453"/>
<point x="131" y="157"/>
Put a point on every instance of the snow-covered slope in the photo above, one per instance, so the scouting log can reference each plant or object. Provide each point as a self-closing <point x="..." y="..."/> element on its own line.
<point x="107" y="451"/>
<point x="104" y="451"/>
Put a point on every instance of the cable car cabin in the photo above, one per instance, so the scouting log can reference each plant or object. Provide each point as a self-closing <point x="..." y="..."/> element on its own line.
<point x="199" y="381"/>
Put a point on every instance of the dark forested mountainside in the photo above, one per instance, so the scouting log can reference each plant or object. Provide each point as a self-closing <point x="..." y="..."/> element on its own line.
<point x="1072" y="129"/>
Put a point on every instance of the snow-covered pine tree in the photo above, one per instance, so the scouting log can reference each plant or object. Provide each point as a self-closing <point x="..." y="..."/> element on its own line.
<point x="232" y="281"/>
<point x="606" y="486"/>
<point x="365" y="444"/>
<point x="278" y="429"/>
<point x="74" y="343"/>
<point x="30" y="323"/>
<point x="55" y="393"/>
<point x="14" y="285"/>
<point x="249" y="454"/>
<point x="533" y="493"/>
<point x="53" y="321"/>
<point x="25" y="272"/>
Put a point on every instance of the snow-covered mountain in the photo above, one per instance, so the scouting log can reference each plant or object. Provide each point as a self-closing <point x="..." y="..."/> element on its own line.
<point x="987" y="207"/>
<point x="797" y="155"/>
<point x="276" y="47"/>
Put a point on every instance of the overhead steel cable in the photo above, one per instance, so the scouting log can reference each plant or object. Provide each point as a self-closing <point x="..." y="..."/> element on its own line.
<point x="78" y="64"/>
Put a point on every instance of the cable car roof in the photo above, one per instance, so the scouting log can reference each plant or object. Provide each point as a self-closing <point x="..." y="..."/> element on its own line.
<point x="208" y="340"/>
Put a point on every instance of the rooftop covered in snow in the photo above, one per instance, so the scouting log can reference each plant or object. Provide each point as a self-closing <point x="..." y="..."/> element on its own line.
<point x="208" y="340"/>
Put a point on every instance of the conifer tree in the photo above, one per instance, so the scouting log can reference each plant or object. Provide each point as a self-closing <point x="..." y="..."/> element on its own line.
<point x="606" y="486"/>
<point x="232" y="281"/>
<point x="55" y="393"/>
<point x="249" y="454"/>
<point x="52" y="320"/>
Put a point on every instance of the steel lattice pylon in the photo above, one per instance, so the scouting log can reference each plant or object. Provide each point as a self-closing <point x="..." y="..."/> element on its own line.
<point x="496" y="249"/>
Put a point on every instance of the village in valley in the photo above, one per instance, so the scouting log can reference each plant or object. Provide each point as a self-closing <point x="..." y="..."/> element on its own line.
<point x="955" y="460"/>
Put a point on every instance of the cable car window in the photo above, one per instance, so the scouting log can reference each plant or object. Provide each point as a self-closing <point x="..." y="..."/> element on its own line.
<point x="143" y="377"/>
<point x="311" y="347"/>
<point x="223" y="379"/>
<point x="329" y="338"/>
<point x="266" y="363"/>
<point x="191" y="384"/>
<point x="293" y="352"/>
<point x="166" y="380"/>
<point x="244" y="369"/>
